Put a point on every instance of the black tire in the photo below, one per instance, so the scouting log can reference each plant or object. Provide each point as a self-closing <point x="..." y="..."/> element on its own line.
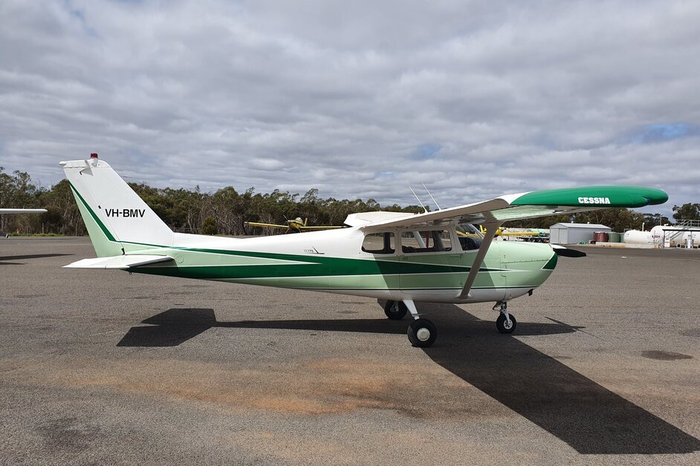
<point x="501" y="323"/>
<point x="417" y="334"/>
<point x="395" y="310"/>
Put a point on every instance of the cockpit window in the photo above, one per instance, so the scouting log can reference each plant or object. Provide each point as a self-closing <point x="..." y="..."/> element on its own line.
<point x="426" y="241"/>
<point x="379" y="243"/>
<point x="470" y="237"/>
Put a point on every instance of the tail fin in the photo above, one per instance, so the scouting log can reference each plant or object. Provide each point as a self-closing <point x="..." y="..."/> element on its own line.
<point x="116" y="218"/>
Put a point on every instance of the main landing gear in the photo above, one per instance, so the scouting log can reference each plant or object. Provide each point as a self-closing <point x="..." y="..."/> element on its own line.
<point x="395" y="310"/>
<point x="506" y="322"/>
<point x="421" y="332"/>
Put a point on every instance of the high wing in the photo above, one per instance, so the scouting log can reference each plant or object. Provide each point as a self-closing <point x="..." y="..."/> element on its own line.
<point x="530" y="205"/>
<point x="493" y="213"/>
<point x="319" y="227"/>
<point x="267" y="225"/>
<point x="18" y="211"/>
<point x="294" y="227"/>
<point x="518" y="233"/>
<point x="22" y="211"/>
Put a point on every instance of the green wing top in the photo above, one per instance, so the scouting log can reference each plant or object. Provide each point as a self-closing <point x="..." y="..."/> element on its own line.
<point x="606" y="196"/>
<point x="528" y="205"/>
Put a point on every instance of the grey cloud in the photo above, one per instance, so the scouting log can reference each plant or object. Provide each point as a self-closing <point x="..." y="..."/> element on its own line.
<point x="335" y="95"/>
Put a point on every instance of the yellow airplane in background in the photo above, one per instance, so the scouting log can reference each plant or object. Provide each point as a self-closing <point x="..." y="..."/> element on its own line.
<point x="500" y="232"/>
<point x="296" y="225"/>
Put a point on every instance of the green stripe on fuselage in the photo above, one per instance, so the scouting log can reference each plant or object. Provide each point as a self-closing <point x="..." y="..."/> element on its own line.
<point x="526" y="268"/>
<point x="299" y="266"/>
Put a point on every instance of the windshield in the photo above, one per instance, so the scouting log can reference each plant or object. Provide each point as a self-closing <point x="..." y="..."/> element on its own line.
<point x="467" y="229"/>
<point x="470" y="237"/>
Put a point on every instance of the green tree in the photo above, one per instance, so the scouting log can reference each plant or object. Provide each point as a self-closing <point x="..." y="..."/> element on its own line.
<point x="687" y="212"/>
<point x="209" y="226"/>
<point x="17" y="190"/>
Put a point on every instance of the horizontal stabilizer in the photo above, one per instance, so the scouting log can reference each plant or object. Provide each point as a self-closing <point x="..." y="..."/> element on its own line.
<point x="118" y="262"/>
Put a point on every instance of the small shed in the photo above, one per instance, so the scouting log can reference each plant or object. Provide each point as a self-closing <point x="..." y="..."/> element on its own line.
<point x="574" y="233"/>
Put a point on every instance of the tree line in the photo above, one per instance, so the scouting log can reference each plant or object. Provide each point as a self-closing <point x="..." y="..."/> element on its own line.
<point x="227" y="211"/>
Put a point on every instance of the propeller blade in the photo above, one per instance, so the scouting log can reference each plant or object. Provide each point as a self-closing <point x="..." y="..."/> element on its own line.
<point x="566" y="252"/>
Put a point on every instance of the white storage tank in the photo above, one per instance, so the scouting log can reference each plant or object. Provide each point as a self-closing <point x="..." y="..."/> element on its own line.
<point x="638" y="237"/>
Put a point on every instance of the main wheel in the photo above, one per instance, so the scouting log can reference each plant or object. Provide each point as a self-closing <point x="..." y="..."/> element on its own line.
<point x="502" y="324"/>
<point x="422" y="333"/>
<point x="395" y="310"/>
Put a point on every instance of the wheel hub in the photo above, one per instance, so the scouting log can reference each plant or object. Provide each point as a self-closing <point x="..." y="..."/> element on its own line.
<point x="423" y="334"/>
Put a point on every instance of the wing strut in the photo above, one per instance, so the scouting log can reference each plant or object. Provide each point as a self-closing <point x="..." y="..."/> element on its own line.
<point x="491" y="229"/>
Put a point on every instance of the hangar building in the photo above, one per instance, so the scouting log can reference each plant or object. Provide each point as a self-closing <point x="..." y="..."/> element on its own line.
<point x="573" y="233"/>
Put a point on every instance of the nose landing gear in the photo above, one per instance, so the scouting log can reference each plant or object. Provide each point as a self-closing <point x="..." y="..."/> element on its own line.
<point x="506" y="322"/>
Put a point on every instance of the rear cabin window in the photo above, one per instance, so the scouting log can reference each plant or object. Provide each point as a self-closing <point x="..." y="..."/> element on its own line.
<point x="426" y="241"/>
<point x="379" y="243"/>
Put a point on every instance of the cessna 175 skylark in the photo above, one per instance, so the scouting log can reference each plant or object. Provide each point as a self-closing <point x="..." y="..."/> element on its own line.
<point x="402" y="258"/>
<point x="295" y="225"/>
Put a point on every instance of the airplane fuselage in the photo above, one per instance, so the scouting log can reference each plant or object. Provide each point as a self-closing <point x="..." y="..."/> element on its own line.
<point x="333" y="261"/>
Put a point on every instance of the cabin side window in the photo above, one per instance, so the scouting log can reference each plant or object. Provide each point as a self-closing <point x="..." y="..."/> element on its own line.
<point x="426" y="241"/>
<point x="379" y="243"/>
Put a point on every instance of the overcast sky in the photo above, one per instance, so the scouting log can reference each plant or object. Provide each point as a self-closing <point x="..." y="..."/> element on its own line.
<point x="357" y="99"/>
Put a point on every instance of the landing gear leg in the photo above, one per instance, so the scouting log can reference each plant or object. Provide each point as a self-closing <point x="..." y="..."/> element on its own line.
<point x="422" y="332"/>
<point x="506" y="322"/>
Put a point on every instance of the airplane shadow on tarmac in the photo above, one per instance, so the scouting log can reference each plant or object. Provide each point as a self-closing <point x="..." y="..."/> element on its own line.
<point x="570" y="406"/>
<point x="4" y="259"/>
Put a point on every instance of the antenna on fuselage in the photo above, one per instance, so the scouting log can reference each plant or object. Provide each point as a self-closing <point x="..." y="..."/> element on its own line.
<point x="431" y="197"/>
<point x="418" y="199"/>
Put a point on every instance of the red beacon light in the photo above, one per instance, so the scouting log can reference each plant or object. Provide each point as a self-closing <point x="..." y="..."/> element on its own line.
<point x="93" y="155"/>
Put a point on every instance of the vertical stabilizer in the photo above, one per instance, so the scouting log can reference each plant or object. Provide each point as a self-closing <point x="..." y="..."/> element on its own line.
<point x="116" y="218"/>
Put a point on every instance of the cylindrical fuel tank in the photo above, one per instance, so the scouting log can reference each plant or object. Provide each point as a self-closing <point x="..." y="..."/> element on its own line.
<point x="601" y="236"/>
<point x="637" y="237"/>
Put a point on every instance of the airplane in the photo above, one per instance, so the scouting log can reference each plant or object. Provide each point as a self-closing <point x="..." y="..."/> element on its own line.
<point x="401" y="258"/>
<point x="296" y="225"/>
<point x="505" y="232"/>
<point x="4" y="211"/>
<point x="538" y="235"/>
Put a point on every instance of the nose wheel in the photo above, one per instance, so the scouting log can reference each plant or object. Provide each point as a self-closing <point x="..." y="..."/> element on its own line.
<point x="506" y="322"/>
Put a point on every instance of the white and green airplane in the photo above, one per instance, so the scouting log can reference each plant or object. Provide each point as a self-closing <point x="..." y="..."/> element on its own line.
<point x="5" y="211"/>
<point x="21" y="211"/>
<point x="402" y="258"/>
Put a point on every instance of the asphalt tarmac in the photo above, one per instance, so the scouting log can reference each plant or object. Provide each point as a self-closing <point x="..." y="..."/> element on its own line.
<point x="103" y="367"/>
